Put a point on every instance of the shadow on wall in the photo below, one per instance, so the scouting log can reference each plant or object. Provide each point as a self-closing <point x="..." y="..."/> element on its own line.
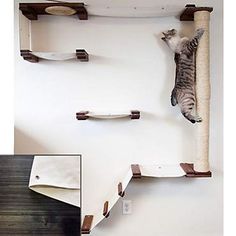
<point x="24" y="143"/>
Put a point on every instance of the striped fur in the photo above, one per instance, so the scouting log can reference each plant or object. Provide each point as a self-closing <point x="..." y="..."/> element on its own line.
<point x="183" y="93"/>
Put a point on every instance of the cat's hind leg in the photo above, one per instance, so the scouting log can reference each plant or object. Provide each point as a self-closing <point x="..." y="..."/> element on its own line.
<point x="187" y="114"/>
<point x="173" y="98"/>
<point x="191" y="118"/>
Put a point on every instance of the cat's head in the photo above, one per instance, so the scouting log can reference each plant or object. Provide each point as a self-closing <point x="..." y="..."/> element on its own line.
<point x="169" y="34"/>
<point x="172" y="39"/>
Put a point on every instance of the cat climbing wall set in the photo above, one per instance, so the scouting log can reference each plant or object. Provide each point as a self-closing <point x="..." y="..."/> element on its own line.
<point x="191" y="92"/>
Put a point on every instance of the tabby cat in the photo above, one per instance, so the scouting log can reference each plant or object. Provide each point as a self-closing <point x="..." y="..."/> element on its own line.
<point x="183" y="93"/>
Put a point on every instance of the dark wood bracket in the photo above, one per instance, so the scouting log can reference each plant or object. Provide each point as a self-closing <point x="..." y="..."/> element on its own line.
<point x="188" y="13"/>
<point x="106" y="213"/>
<point x="135" y="114"/>
<point x="82" y="13"/>
<point x="87" y="223"/>
<point x="190" y="172"/>
<point x="82" y="115"/>
<point x="136" y="171"/>
<point x="82" y="55"/>
<point x="32" y="10"/>
<point x="120" y="190"/>
<point x="28" y="11"/>
<point x="28" y="56"/>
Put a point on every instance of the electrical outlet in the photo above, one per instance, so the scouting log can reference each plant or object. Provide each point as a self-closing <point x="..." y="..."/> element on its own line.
<point x="127" y="207"/>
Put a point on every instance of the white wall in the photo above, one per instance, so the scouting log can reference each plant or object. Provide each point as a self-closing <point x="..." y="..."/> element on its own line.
<point x="6" y="82"/>
<point x="129" y="68"/>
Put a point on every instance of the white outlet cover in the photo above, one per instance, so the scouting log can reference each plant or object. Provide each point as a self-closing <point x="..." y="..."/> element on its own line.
<point x="127" y="207"/>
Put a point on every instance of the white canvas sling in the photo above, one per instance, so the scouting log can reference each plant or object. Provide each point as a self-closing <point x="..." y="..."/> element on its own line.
<point x="57" y="177"/>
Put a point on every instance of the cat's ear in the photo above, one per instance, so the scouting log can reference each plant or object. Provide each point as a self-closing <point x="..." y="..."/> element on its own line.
<point x="173" y="31"/>
<point x="164" y="33"/>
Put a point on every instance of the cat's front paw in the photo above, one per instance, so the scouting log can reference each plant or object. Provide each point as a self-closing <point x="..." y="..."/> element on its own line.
<point x="200" y="31"/>
<point x="198" y="119"/>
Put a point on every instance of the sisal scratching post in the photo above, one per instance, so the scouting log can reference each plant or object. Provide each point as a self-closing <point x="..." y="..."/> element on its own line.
<point x="201" y="19"/>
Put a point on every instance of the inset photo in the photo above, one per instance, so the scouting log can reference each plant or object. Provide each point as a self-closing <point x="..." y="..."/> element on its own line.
<point x="40" y="195"/>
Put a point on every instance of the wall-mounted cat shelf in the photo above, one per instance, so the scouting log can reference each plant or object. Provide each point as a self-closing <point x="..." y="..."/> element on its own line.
<point x="84" y="115"/>
<point x="137" y="171"/>
<point x="186" y="167"/>
<point x="30" y="56"/>
<point x="32" y="10"/>
<point x="29" y="12"/>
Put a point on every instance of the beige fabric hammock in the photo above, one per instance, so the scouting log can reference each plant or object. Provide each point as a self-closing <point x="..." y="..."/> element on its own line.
<point x="57" y="177"/>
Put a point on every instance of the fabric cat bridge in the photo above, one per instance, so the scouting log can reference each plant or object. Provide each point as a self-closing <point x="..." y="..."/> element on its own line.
<point x="137" y="172"/>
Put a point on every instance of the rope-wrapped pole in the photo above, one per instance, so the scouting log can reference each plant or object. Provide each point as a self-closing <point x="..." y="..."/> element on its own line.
<point x="201" y="19"/>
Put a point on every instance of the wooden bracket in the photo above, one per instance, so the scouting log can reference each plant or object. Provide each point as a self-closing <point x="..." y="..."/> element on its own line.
<point x="82" y="55"/>
<point x="120" y="190"/>
<point x="28" y="12"/>
<point x="136" y="171"/>
<point x="82" y="13"/>
<point x="188" y="13"/>
<point x="82" y="115"/>
<point x="87" y="223"/>
<point x="190" y="172"/>
<point x="32" y="10"/>
<point x="28" y="56"/>
<point x="106" y="213"/>
<point x="135" y="114"/>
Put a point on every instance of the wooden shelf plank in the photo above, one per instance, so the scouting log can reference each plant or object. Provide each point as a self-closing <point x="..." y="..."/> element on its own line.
<point x="32" y="10"/>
